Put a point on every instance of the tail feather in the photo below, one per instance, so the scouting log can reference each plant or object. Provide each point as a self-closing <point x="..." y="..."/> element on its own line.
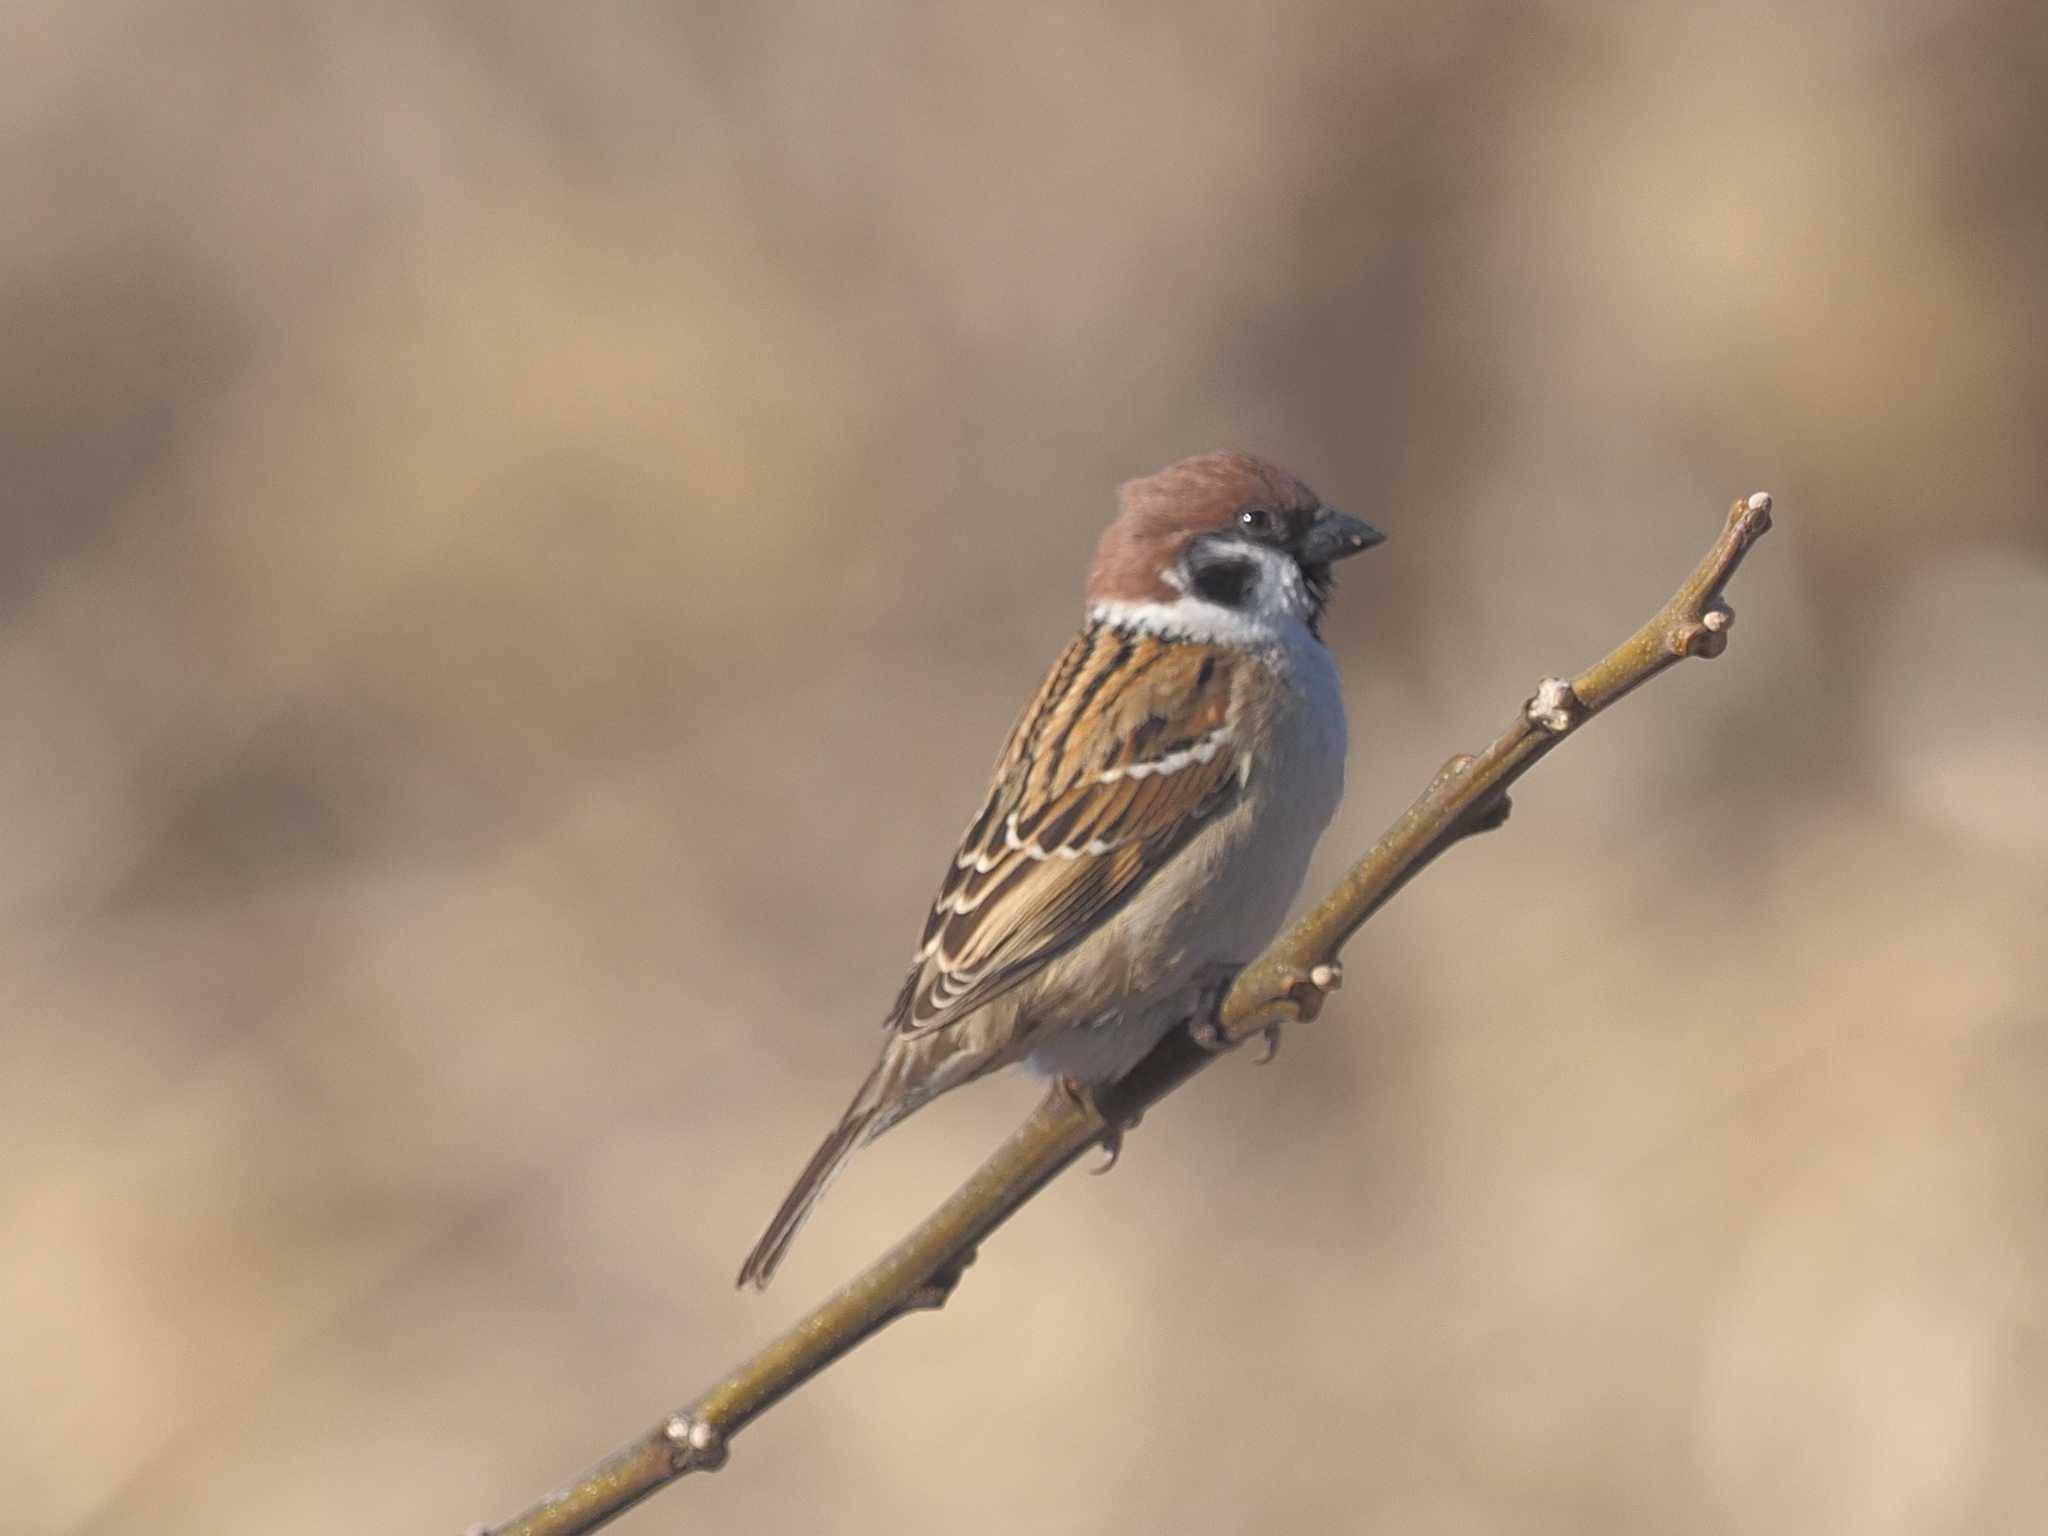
<point x="858" y="1126"/>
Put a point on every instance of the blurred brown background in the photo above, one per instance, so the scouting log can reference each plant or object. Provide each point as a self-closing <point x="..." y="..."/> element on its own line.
<point x="524" y="527"/>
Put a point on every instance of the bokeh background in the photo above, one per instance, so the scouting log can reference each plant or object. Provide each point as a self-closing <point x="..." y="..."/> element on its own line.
<point x="524" y="527"/>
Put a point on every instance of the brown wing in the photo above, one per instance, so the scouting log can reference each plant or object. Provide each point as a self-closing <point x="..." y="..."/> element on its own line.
<point x="1124" y="755"/>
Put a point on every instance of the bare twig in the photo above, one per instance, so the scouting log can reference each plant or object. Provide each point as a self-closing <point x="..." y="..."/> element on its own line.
<point x="1468" y="795"/>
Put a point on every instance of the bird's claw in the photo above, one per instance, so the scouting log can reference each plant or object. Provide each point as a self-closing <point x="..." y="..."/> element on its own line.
<point x="1304" y="992"/>
<point x="1112" y="1150"/>
<point x="1307" y="991"/>
<point x="1112" y="1140"/>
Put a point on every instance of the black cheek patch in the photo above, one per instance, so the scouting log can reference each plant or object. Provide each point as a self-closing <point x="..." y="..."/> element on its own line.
<point x="1225" y="581"/>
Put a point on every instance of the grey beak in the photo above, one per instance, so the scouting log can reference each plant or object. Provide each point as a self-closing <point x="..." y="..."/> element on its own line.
<point x="1334" y="535"/>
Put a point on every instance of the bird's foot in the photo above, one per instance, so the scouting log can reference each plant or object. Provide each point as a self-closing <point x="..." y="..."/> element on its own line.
<point x="1303" y="992"/>
<point x="1083" y="1094"/>
<point x="1306" y="992"/>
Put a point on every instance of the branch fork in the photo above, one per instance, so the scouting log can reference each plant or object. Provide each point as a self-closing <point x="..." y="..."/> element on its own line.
<point x="1469" y="795"/>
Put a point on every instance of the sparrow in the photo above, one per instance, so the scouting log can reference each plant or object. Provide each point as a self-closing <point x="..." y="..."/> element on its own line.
<point x="1150" y="819"/>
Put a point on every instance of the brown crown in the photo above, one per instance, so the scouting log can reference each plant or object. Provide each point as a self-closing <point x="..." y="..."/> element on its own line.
<point x="1156" y="516"/>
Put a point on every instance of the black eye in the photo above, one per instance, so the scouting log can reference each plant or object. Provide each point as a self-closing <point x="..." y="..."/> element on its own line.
<point x="1256" y="520"/>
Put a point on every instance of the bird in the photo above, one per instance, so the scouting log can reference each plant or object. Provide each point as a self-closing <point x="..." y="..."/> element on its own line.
<point x="1150" y="818"/>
